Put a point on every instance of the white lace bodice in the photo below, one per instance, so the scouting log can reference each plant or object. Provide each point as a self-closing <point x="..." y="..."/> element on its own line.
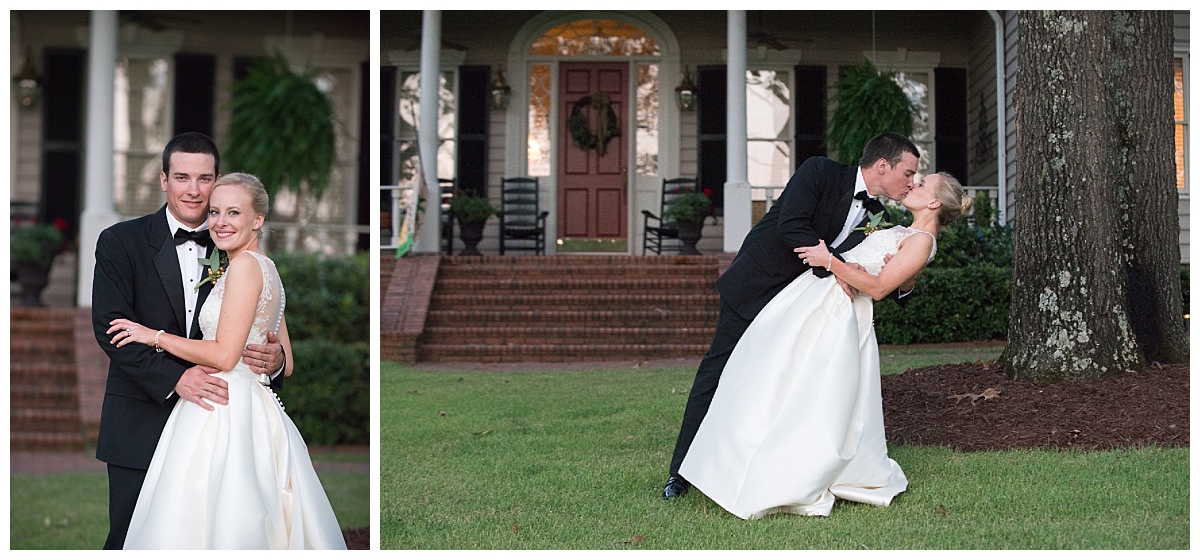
<point x="871" y="251"/>
<point x="267" y="316"/>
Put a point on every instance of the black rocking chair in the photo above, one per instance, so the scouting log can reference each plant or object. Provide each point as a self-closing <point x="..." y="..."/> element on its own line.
<point x="522" y="221"/>
<point x="659" y="233"/>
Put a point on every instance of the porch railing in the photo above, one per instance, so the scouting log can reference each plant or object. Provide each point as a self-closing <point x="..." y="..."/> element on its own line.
<point x="331" y="240"/>
<point x="769" y="195"/>
<point x="398" y="197"/>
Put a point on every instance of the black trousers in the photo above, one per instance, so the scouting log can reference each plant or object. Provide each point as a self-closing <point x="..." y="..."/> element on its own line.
<point x="124" y="485"/>
<point x="730" y="328"/>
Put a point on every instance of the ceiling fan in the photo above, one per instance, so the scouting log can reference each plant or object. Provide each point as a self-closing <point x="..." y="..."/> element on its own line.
<point x="758" y="35"/>
<point x="157" y="21"/>
<point x="416" y="43"/>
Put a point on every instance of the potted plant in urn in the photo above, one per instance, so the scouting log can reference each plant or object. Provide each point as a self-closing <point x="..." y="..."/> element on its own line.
<point x="472" y="212"/>
<point x="688" y="211"/>
<point x="32" y="250"/>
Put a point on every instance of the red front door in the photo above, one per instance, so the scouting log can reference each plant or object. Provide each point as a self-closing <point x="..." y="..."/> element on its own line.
<point x="593" y="141"/>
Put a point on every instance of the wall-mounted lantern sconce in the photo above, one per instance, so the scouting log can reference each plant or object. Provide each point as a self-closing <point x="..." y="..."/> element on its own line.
<point x="686" y="92"/>
<point x="500" y="91"/>
<point x="29" y="87"/>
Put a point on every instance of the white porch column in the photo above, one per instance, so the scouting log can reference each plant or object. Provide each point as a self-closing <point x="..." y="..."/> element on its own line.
<point x="737" y="187"/>
<point x="429" y="233"/>
<point x="98" y="211"/>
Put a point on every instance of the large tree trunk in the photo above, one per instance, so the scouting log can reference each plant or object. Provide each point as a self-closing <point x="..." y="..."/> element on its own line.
<point x="1144" y="170"/>
<point x="1094" y="207"/>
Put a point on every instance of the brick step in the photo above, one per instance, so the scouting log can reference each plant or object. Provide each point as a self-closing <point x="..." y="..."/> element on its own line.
<point x="58" y="349"/>
<point x="568" y="302"/>
<point x="49" y="314"/>
<point x="58" y="396"/>
<point x="644" y="318"/>
<point x="49" y="328"/>
<point x="44" y="420"/>
<point x="42" y="373"/>
<point x="576" y="260"/>
<point x="706" y="273"/>
<point x="568" y="335"/>
<point x="45" y="441"/>
<point x="575" y="284"/>
<point x="557" y="352"/>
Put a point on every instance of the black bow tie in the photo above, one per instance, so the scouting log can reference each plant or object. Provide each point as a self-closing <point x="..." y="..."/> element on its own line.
<point x="183" y="236"/>
<point x="862" y="195"/>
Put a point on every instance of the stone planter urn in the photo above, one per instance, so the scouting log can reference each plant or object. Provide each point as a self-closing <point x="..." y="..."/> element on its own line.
<point x="689" y="234"/>
<point x="33" y="279"/>
<point x="471" y="234"/>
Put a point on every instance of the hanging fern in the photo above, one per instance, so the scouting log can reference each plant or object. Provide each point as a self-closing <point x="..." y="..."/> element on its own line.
<point x="281" y="129"/>
<point x="868" y="103"/>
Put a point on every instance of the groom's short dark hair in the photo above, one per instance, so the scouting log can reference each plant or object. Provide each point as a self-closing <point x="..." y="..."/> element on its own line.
<point x="889" y="146"/>
<point x="191" y="143"/>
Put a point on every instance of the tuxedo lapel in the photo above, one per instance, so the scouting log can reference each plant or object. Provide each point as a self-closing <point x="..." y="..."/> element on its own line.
<point x="166" y="261"/>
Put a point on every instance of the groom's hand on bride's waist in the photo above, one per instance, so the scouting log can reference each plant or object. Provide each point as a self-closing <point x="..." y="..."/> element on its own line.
<point x="197" y="385"/>
<point x="265" y="359"/>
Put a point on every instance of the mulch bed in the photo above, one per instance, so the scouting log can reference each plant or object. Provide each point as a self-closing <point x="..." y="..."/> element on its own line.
<point x="357" y="539"/>
<point x="974" y="407"/>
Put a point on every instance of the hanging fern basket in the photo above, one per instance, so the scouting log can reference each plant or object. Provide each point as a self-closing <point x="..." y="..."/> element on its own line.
<point x="868" y="102"/>
<point x="282" y="129"/>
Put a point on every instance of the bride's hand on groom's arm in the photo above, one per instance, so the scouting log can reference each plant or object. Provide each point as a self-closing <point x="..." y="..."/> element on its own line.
<point x="128" y="331"/>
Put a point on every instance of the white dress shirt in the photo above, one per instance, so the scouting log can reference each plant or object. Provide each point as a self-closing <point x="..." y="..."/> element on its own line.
<point x="857" y="212"/>
<point x="190" y="268"/>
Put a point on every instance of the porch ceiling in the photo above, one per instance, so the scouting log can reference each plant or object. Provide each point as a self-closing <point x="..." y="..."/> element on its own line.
<point x="485" y="31"/>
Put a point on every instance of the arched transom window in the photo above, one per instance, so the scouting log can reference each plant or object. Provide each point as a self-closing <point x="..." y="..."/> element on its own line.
<point x="594" y="37"/>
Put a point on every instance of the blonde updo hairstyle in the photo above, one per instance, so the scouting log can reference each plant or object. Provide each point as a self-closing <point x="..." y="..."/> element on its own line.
<point x="259" y="200"/>
<point x="955" y="202"/>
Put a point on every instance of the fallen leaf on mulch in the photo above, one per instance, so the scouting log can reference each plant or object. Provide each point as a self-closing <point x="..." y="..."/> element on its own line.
<point x="987" y="395"/>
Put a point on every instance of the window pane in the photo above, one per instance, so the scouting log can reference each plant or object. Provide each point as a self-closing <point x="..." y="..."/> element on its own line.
<point x="1180" y="128"/>
<point x="140" y="131"/>
<point x="768" y="105"/>
<point x="538" y="151"/>
<point x="768" y="127"/>
<point x="769" y="162"/>
<point x="595" y="37"/>
<point x="916" y="86"/>
<point x="647" y="120"/>
<point x="408" y="109"/>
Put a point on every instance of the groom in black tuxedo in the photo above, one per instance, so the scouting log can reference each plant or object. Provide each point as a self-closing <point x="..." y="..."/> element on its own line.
<point x="146" y="270"/>
<point x="822" y="201"/>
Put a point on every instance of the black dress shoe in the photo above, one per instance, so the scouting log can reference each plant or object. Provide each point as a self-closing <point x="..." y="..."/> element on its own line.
<point x="676" y="487"/>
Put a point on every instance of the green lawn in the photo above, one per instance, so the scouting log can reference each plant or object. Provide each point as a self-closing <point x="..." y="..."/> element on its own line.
<point x="576" y="460"/>
<point x="70" y="511"/>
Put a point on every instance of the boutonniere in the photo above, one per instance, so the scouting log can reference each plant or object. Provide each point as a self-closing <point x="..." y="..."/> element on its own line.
<point x="216" y="263"/>
<point x="875" y="222"/>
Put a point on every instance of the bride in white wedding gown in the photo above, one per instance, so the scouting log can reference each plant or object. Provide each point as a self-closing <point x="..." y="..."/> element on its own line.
<point x="238" y="477"/>
<point x="797" y="420"/>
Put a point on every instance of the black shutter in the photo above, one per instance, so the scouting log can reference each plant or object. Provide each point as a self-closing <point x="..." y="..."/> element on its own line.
<point x="195" y="93"/>
<point x="951" y="114"/>
<point x="810" y="113"/>
<point x="387" y="124"/>
<point x="364" y="155"/>
<point x="711" y="103"/>
<point x="474" y="97"/>
<point x="63" y="103"/>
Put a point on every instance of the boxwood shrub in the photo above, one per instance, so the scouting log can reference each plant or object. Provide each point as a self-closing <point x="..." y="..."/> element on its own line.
<point x="328" y="319"/>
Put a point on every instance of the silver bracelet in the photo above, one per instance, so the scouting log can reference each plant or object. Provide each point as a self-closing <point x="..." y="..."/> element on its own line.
<point x="829" y="266"/>
<point x="157" y="348"/>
